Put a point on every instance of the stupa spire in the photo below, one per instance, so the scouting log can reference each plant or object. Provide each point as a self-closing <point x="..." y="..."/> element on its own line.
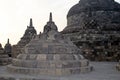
<point x="8" y="41"/>
<point x="50" y="18"/>
<point x="50" y="25"/>
<point x="31" y="23"/>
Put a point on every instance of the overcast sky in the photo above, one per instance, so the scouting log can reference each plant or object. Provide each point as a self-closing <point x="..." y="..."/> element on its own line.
<point x="15" y="15"/>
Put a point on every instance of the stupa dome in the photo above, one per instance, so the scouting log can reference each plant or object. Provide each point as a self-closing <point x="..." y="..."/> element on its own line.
<point x="105" y="12"/>
<point x="94" y="5"/>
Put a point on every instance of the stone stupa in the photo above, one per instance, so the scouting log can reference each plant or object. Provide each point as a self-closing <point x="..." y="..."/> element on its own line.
<point x="25" y="39"/>
<point x="49" y="53"/>
<point x="8" y="48"/>
<point x="94" y="26"/>
<point x="4" y="58"/>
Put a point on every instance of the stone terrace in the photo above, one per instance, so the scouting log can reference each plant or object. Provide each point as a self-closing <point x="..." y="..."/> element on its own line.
<point x="102" y="71"/>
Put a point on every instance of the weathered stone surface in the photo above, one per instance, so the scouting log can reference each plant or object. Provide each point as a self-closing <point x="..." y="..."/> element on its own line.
<point x="50" y="54"/>
<point x="94" y="25"/>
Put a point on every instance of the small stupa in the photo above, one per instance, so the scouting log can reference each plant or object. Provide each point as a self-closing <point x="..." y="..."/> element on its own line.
<point x="25" y="39"/>
<point x="50" y="53"/>
<point x="4" y="58"/>
<point x="8" y="48"/>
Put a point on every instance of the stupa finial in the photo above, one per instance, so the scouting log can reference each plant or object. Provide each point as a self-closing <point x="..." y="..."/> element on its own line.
<point x="31" y="23"/>
<point x="8" y="41"/>
<point x="50" y="18"/>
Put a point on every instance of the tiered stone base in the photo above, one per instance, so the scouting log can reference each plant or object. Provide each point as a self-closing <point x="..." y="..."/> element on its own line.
<point x="49" y="64"/>
<point x="4" y="60"/>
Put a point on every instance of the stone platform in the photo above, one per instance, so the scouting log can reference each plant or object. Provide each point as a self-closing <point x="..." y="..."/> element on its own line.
<point x="102" y="71"/>
<point x="49" y="67"/>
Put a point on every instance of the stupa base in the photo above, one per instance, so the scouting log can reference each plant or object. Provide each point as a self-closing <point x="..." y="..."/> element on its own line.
<point x="103" y="71"/>
<point x="53" y="72"/>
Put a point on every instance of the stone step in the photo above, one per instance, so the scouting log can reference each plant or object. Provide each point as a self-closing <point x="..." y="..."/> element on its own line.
<point x="54" y="71"/>
<point x="50" y="64"/>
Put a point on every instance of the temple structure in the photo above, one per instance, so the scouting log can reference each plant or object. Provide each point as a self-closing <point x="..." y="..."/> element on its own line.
<point x="94" y="26"/>
<point x="50" y="53"/>
<point x="4" y="58"/>
<point x="29" y="33"/>
<point x="8" y="48"/>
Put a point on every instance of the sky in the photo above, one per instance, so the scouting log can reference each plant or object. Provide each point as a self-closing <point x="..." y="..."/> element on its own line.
<point x="15" y="16"/>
